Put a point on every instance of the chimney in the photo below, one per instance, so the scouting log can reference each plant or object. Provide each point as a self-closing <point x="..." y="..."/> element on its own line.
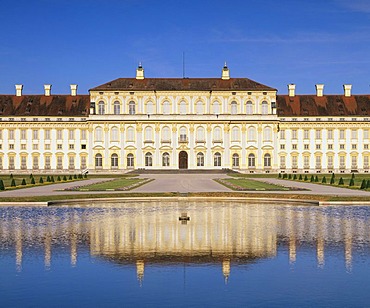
<point x="291" y="89"/>
<point x="18" y="89"/>
<point x="140" y="72"/>
<point x="319" y="90"/>
<point x="73" y="89"/>
<point x="47" y="88"/>
<point x="225" y="72"/>
<point x="347" y="89"/>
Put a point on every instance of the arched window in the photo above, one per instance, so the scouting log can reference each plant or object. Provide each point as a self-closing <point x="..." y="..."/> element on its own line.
<point x="251" y="134"/>
<point x="267" y="133"/>
<point x="99" y="134"/>
<point x="249" y="107"/>
<point x="114" y="161"/>
<point x="130" y="161"/>
<point x="235" y="160"/>
<point x="216" y="107"/>
<point x="265" y="106"/>
<point x="267" y="160"/>
<point x="149" y="108"/>
<point x="166" y="134"/>
<point x="130" y="134"/>
<point x="98" y="160"/>
<point x="101" y="107"/>
<point x="148" y="133"/>
<point x="183" y="134"/>
<point x="165" y="159"/>
<point x="114" y="134"/>
<point x="200" y="159"/>
<point x="148" y="159"/>
<point x="235" y="134"/>
<point x="166" y="107"/>
<point x="199" y="108"/>
<point x="182" y="107"/>
<point x="217" y="159"/>
<point x="200" y="134"/>
<point x="217" y="134"/>
<point x="131" y="108"/>
<point x="251" y="160"/>
<point x="116" y="107"/>
<point x="234" y="107"/>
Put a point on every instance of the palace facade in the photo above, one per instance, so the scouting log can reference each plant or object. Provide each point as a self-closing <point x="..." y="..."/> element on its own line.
<point x="184" y="123"/>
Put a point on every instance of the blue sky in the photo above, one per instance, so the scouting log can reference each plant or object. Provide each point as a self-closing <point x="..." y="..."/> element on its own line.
<point x="275" y="42"/>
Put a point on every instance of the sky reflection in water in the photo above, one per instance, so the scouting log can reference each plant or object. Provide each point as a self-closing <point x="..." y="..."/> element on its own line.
<point x="228" y="254"/>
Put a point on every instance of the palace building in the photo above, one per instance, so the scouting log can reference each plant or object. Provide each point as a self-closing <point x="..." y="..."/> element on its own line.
<point x="184" y="123"/>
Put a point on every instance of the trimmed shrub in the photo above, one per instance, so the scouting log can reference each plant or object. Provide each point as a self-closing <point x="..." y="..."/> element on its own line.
<point x="2" y="187"/>
<point x="323" y="180"/>
<point x="75" y="176"/>
<point x="351" y="182"/>
<point x="294" y="176"/>
<point x="368" y="184"/>
<point x="353" y="176"/>
<point x="312" y="178"/>
<point x="52" y="179"/>
<point x="363" y="184"/>
<point x="58" y="178"/>
<point x="316" y="178"/>
<point x="31" y="176"/>
<point x="341" y="182"/>
<point x="41" y="180"/>
<point x="289" y="176"/>
<point x="279" y="176"/>
<point x="64" y="178"/>
<point x="80" y="176"/>
<point x="24" y="182"/>
<point x="13" y="183"/>
<point x="85" y="175"/>
<point x="306" y="178"/>
<point x="300" y="177"/>
<point x="48" y="179"/>
<point x="70" y="177"/>
<point x="33" y="180"/>
<point x="11" y="175"/>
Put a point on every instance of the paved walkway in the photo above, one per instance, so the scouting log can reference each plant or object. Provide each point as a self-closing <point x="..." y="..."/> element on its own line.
<point x="183" y="183"/>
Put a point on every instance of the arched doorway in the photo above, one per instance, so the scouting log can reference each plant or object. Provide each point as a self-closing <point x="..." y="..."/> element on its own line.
<point x="183" y="160"/>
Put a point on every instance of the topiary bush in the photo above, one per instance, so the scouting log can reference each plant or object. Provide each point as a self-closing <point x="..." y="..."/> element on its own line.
<point x="11" y="175"/>
<point x="294" y="176"/>
<point x="312" y="178"/>
<point x="316" y="178"/>
<point x="70" y="177"/>
<point x="353" y="176"/>
<point x="24" y="182"/>
<point x="368" y="184"/>
<point x="363" y="184"/>
<point x="33" y="180"/>
<point x="300" y="177"/>
<point x="31" y="176"/>
<point x="48" y="179"/>
<point x="58" y="178"/>
<point x="41" y="180"/>
<point x="80" y="176"/>
<point x="289" y="176"/>
<point x="351" y="182"/>
<point x="85" y="175"/>
<point x="75" y="176"/>
<point x="64" y="178"/>
<point x="12" y="184"/>
<point x="2" y="187"/>
<point x="306" y="178"/>
<point x="52" y="179"/>
<point x="341" y="182"/>
<point x="323" y="180"/>
<point x="279" y="176"/>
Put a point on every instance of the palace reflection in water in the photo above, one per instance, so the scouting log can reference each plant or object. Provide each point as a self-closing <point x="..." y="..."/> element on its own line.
<point x="223" y="233"/>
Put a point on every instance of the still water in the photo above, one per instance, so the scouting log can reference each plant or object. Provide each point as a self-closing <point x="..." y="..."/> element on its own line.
<point x="227" y="254"/>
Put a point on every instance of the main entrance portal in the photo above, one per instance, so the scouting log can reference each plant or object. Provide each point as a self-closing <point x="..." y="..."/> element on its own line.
<point x="183" y="160"/>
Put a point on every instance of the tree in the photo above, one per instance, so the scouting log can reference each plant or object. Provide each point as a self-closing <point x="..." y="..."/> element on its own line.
<point x="294" y="176"/>
<point x="341" y="182"/>
<point x="316" y="178"/>
<point x="2" y="187"/>
<point x="363" y="184"/>
<point x="353" y="176"/>
<point x="300" y="177"/>
<point x="11" y="175"/>
<point x="85" y="175"/>
<point x="75" y="176"/>
<point x="289" y="176"/>
<point x="48" y="179"/>
<point x="31" y="176"/>
<point x="33" y="180"/>
<point x="41" y="180"/>
<point x="52" y="179"/>
<point x="332" y="179"/>
<point x="323" y="180"/>
<point x="351" y="182"/>
<point x="306" y="178"/>
<point x="24" y="182"/>
<point x="368" y="184"/>
<point x="58" y="178"/>
<point x="80" y="176"/>
<point x="312" y="178"/>
<point x="64" y="178"/>
<point x="279" y="176"/>
<point x="70" y="177"/>
<point x="13" y="183"/>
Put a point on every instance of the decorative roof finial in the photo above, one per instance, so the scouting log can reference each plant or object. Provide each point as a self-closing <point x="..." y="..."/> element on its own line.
<point x="140" y="66"/>
<point x="225" y="66"/>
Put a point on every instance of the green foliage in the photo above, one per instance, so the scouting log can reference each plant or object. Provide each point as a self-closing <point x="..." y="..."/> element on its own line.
<point x="316" y="178"/>
<point x="58" y="178"/>
<point x="333" y="176"/>
<point x="31" y="176"/>
<point x="12" y="184"/>
<point x="33" y="180"/>
<point x="75" y="176"/>
<point x="289" y="176"/>
<point x="2" y="187"/>
<point x="64" y="178"/>
<point x="52" y="179"/>
<point x="48" y="179"/>
<point x="351" y="182"/>
<point x="312" y="178"/>
<point x="80" y="176"/>
<point x="332" y="179"/>
<point x="300" y="177"/>
<point x="11" y="175"/>
<point x="368" y="184"/>
<point x="70" y="177"/>
<point x="294" y="176"/>
<point x="341" y="182"/>
<point x="279" y="176"/>
<point x="353" y="176"/>
<point x="306" y="178"/>
<point x="24" y="182"/>
<point x="363" y="184"/>
<point x="85" y="175"/>
<point x="285" y="176"/>
<point x="41" y="180"/>
<point x="323" y="180"/>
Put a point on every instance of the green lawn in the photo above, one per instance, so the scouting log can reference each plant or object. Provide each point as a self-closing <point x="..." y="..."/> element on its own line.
<point x="116" y="184"/>
<point x="248" y="184"/>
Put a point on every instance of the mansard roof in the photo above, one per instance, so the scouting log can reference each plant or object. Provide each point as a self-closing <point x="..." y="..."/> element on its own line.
<point x="327" y="105"/>
<point x="40" y="105"/>
<point x="182" y="84"/>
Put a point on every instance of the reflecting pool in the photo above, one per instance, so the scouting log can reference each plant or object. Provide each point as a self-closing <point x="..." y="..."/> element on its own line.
<point x="226" y="254"/>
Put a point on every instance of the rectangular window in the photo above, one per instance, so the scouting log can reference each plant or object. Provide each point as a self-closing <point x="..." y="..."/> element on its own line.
<point x="23" y="162"/>
<point x="294" y="146"/>
<point x="23" y="134"/>
<point x="71" y="161"/>
<point x="306" y="134"/>
<point x="366" y="134"/>
<point x="47" y="146"/>
<point x="35" y="163"/>
<point x="59" y="146"/>
<point x="59" y="162"/>
<point x="47" y="162"/>
<point x="59" y="134"/>
<point x="83" y="134"/>
<point x="330" y="134"/>
<point x="282" y="134"/>
<point x="282" y="161"/>
<point x="35" y="134"/>
<point x="341" y="134"/>
<point x="354" y="134"/>
<point x="366" y="161"/>
<point x="341" y="146"/>
<point x="306" y="146"/>
<point x="318" y="134"/>
<point x="318" y="162"/>
<point x="282" y="146"/>
<point x="11" y="134"/>
<point x="83" y="162"/>
<point x="23" y="146"/>
<point x="354" y="146"/>
<point x="83" y="146"/>
<point x="47" y="134"/>
<point x="35" y="147"/>
<point x="294" y="134"/>
<point x="318" y="146"/>
<point x="71" y="146"/>
<point x="294" y="162"/>
<point x="330" y="161"/>
<point x="330" y="146"/>
<point x="71" y="134"/>
<point x="354" y="162"/>
<point x="306" y="162"/>
<point x="11" y="146"/>
<point x="342" y="160"/>
<point x="366" y="146"/>
<point x="11" y="162"/>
